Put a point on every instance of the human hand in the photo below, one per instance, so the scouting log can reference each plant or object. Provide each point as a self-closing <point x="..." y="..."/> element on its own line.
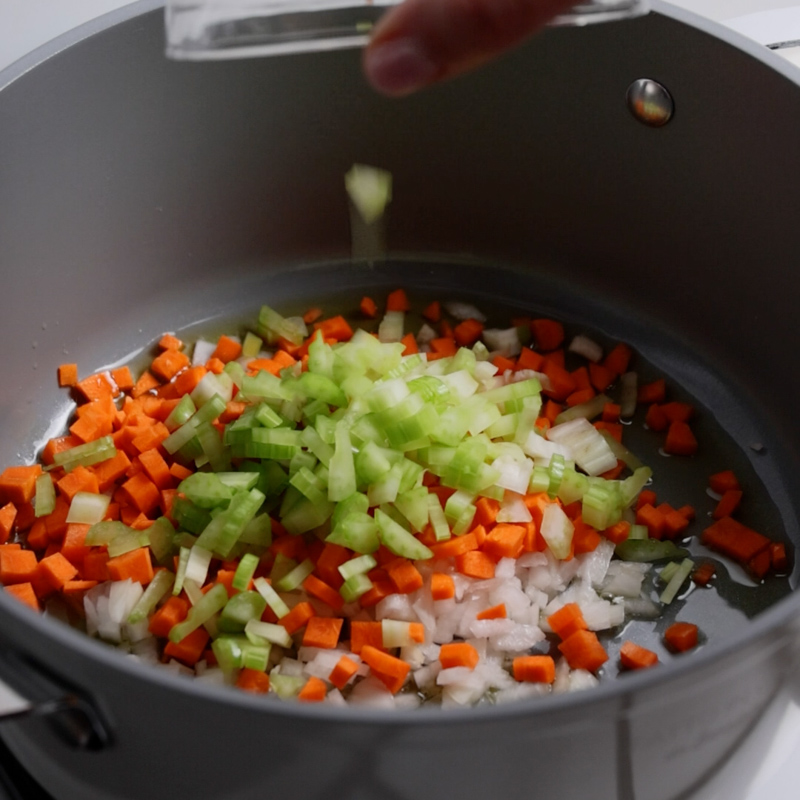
<point x="421" y="42"/>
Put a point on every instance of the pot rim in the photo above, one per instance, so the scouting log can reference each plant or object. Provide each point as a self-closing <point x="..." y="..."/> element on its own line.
<point x="776" y="620"/>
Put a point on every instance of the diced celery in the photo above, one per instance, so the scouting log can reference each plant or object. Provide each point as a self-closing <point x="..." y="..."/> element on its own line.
<point x="251" y="346"/>
<point x="156" y="590"/>
<point x="258" y="531"/>
<point x="87" y="508"/>
<point x="398" y="540"/>
<point x="358" y="531"/>
<point x="212" y="601"/>
<point x="293" y="579"/>
<point x="206" y="490"/>
<point x="162" y="536"/>
<point x="259" y="632"/>
<point x="272" y="326"/>
<point x="239" y="610"/>
<point x="645" y="550"/>
<point x="342" y="478"/>
<point x="676" y="581"/>
<point x="45" y="496"/>
<point x="438" y="520"/>
<point x="274" y="600"/>
<point x="413" y="505"/>
<point x="84" y="455"/>
<point x="358" y="565"/>
<point x="557" y="530"/>
<point x="355" y="586"/>
<point x="189" y="516"/>
<point x="128" y="541"/>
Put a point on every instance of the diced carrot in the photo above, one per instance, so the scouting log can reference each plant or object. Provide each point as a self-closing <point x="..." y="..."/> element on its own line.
<point x="562" y="384"/>
<point x="678" y="412"/>
<point x="722" y="482"/>
<point x="646" y="497"/>
<point x="442" y="586"/>
<point x="186" y="382"/>
<point x="74" y="547"/>
<point x="135" y="564"/>
<point x="433" y="312"/>
<point x="456" y="547"/>
<point x="468" y="332"/>
<point x="215" y="365"/>
<point x="618" y="358"/>
<point x="96" y="387"/>
<point x="145" y="383"/>
<point x="495" y="612"/>
<point x="486" y="510"/>
<point x="391" y="671"/>
<point x="778" y="557"/>
<point x="77" y="588"/>
<point x="475" y="564"/>
<point x="547" y="333"/>
<point x="322" y="632"/>
<point x="55" y="570"/>
<point x="443" y="347"/>
<point x="458" y="654"/>
<point x="581" y="396"/>
<point x="530" y="359"/>
<point x="336" y="328"/>
<point x="503" y="363"/>
<point x="556" y="357"/>
<point x="656" y="419"/>
<point x="227" y="349"/>
<point x="703" y="574"/>
<point x="322" y="591"/>
<point x="397" y="301"/>
<point x="364" y="634"/>
<point x="17" y="566"/>
<point x="175" y="610"/>
<point x="409" y="344"/>
<point x="298" y="617"/>
<point x="681" y="636"/>
<point x="733" y="539"/>
<point x="343" y="671"/>
<point x="156" y="468"/>
<point x="759" y="564"/>
<point x="167" y="365"/>
<point x="583" y="651"/>
<point x="95" y="565"/>
<point x="179" y="472"/>
<point x="504" y="541"/>
<point x="405" y="576"/>
<point x="25" y="594"/>
<point x="581" y="378"/>
<point x="123" y="378"/>
<point x="618" y="532"/>
<point x="8" y="513"/>
<point x="110" y="471"/>
<point x="585" y="538"/>
<point x="728" y="503"/>
<point x="37" y="538"/>
<point x="534" y="669"/>
<point x="675" y="524"/>
<point x="67" y="375"/>
<point x="58" y="445"/>
<point x="190" y="649"/>
<point x="142" y="493"/>
<point x="653" y="519"/>
<point x="253" y="680"/>
<point x="567" y="620"/>
<point x="368" y="308"/>
<point x="634" y="656"/>
<point x="654" y="392"/>
<point x="611" y="412"/>
<point x="601" y="376"/>
<point x="170" y="342"/>
<point x="18" y="484"/>
<point x="680" y="440"/>
<point x="79" y="480"/>
<point x="381" y="587"/>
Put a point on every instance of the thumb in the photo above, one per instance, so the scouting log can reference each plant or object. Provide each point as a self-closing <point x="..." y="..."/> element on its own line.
<point x="421" y="42"/>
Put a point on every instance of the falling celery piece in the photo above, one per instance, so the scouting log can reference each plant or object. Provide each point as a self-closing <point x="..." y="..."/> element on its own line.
<point x="370" y="190"/>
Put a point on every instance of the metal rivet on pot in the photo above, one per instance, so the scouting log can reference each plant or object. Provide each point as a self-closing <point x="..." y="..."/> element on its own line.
<point x="650" y="102"/>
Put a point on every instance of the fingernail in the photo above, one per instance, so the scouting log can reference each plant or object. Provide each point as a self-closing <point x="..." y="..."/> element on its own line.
<point x="399" y="66"/>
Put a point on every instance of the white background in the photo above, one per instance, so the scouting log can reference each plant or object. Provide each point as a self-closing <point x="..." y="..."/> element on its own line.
<point x="768" y="766"/>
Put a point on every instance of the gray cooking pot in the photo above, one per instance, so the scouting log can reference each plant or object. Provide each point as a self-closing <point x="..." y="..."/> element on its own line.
<point x="139" y="195"/>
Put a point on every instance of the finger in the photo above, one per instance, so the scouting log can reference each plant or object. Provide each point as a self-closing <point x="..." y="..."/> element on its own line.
<point x="421" y="42"/>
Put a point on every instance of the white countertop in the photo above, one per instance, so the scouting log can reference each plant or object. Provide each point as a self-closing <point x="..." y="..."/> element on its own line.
<point x="771" y="758"/>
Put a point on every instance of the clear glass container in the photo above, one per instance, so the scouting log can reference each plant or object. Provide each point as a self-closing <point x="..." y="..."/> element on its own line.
<point x="224" y="29"/>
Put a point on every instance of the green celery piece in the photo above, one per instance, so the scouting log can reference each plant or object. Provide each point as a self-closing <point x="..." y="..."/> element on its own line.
<point x="162" y="541"/>
<point x="222" y="533"/>
<point x="431" y="389"/>
<point x="236" y="372"/>
<point x="320" y="356"/>
<point x="156" y="590"/>
<point x="506" y="426"/>
<point x="244" y="572"/>
<point x="294" y="578"/>
<point x="45" y="496"/>
<point x="572" y="487"/>
<point x="263" y="386"/>
<point x="127" y="542"/>
<point x="676" y="581"/>
<point x="268" y="417"/>
<point x="279" y="444"/>
<point x="258" y="531"/>
<point x="272" y="326"/>
<point x="206" y="490"/>
<point x="388" y="394"/>
<point x="281" y="567"/>
<point x="342" y="478"/>
<point x="285" y="686"/>
<point x="302" y="458"/>
<point x="239" y="610"/>
<point x="398" y="540"/>
<point x="356" y="502"/>
<point x="357" y="531"/>
<point x="180" y="573"/>
<point x="262" y="632"/>
<point x="319" y="387"/>
<point x="251" y="346"/>
<point x="210" y="603"/>
<point x="513" y="391"/>
<point x="274" y="600"/>
<point x="556" y="469"/>
<point x="236" y="651"/>
<point x="438" y="520"/>
<point x="305" y="516"/>
<point x="633" y="484"/>
<point x="540" y="480"/>
<point x="464" y="521"/>
<point x="311" y="439"/>
<point x="212" y="386"/>
<point x="315" y="409"/>
<point x="385" y="489"/>
<point x="371" y="463"/>
<point x="272" y="478"/>
<point x="458" y="502"/>
<point x="357" y="566"/>
<point x="668" y="571"/>
<point x="84" y="455"/>
<point x="189" y="516"/>
<point x="464" y="359"/>
<point x="481" y="351"/>
<point x="392" y="511"/>
<point x="412" y="474"/>
<point x="181" y="414"/>
<point x="355" y="586"/>
<point x="103" y="533"/>
<point x="241" y="481"/>
<point x="309" y="485"/>
<point x="645" y="550"/>
<point x="601" y="505"/>
<point x="413" y="505"/>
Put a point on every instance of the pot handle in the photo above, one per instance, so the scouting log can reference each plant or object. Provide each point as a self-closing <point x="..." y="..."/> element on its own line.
<point x="29" y="690"/>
